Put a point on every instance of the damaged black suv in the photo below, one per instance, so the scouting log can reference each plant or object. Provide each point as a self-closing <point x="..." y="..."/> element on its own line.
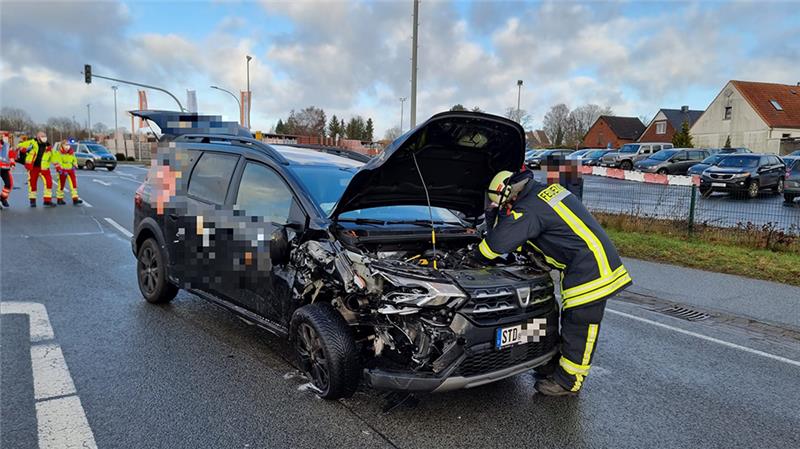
<point x="362" y="266"/>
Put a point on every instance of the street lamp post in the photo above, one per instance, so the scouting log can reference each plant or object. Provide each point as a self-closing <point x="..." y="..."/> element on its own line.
<point x="402" y="100"/>
<point x="519" y="95"/>
<point x="89" y="119"/>
<point x="116" y="125"/>
<point x="231" y="94"/>
<point x="249" y="94"/>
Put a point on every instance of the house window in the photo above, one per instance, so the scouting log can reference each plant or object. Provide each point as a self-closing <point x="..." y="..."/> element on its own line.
<point x="727" y="113"/>
<point x="661" y="127"/>
<point x="776" y="105"/>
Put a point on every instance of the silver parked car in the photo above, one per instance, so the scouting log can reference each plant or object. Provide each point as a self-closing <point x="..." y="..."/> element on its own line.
<point x="630" y="153"/>
<point x="91" y="155"/>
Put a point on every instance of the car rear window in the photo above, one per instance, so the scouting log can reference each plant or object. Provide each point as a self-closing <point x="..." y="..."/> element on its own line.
<point x="211" y="177"/>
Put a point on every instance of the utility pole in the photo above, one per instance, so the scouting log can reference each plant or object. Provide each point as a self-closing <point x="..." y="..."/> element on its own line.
<point x="116" y="126"/>
<point x="249" y="94"/>
<point x="402" y="100"/>
<point x="414" y="38"/>
<point x="519" y="95"/>
<point x="89" y="119"/>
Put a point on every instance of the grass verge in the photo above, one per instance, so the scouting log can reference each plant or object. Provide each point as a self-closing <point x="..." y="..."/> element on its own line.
<point x="777" y="266"/>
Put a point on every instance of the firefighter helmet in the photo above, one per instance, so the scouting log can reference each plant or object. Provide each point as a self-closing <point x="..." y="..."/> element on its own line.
<point x="500" y="188"/>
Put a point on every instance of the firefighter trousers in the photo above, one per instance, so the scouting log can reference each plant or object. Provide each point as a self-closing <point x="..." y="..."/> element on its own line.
<point x="33" y="181"/>
<point x="8" y="182"/>
<point x="580" y="327"/>
<point x="65" y="176"/>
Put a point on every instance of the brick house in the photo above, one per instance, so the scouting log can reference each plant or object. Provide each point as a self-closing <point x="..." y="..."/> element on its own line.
<point x="667" y="122"/>
<point x="612" y="132"/>
<point x="764" y="117"/>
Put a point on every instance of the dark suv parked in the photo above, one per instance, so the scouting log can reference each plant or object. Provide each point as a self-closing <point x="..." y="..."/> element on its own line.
<point x="673" y="161"/>
<point x="744" y="173"/>
<point x="362" y="267"/>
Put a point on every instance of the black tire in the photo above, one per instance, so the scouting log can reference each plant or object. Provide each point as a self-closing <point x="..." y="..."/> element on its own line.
<point x="325" y="350"/>
<point x="778" y="186"/>
<point x="663" y="171"/>
<point x="752" y="189"/>
<point x="789" y="197"/>
<point x="706" y="192"/>
<point x="111" y="168"/>
<point x="89" y="165"/>
<point x="626" y="165"/>
<point x="151" y="274"/>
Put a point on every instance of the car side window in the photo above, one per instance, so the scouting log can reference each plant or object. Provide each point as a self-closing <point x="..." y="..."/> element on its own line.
<point x="83" y="149"/>
<point x="212" y="176"/>
<point x="263" y="193"/>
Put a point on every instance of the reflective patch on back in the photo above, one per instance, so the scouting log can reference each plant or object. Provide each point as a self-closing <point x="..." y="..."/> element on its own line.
<point x="553" y="194"/>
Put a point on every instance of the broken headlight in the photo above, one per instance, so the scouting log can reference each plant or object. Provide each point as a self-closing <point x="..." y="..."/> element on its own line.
<point x="412" y="294"/>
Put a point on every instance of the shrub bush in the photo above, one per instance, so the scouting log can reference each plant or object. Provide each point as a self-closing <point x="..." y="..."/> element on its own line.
<point x="120" y="156"/>
<point x="131" y="158"/>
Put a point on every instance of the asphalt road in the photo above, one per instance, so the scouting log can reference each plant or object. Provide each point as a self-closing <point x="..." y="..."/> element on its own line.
<point x="189" y="374"/>
<point x="674" y="202"/>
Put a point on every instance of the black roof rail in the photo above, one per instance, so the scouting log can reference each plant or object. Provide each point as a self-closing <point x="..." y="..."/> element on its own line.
<point x="343" y="152"/>
<point x="246" y="142"/>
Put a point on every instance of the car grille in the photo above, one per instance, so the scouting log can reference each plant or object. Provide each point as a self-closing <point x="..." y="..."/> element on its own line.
<point x="491" y="360"/>
<point x="720" y="175"/>
<point x="488" y="305"/>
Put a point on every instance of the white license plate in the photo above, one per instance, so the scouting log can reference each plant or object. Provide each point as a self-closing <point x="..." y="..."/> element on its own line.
<point x="717" y="184"/>
<point x="509" y="336"/>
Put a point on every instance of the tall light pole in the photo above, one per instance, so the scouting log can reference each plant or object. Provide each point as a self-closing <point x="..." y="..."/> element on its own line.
<point x="89" y="119"/>
<point x="414" y="37"/>
<point x="519" y="95"/>
<point x="116" y="126"/>
<point x="249" y="94"/>
<point x="402" y="100"/>
<point x="231" y="94"/>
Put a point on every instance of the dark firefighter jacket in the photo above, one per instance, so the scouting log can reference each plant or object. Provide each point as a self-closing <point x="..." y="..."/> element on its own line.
<point x="553" y="222"/>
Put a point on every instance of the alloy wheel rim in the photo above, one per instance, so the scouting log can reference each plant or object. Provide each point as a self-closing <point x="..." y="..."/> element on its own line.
<point x="312" y="356"/>
<point x="753" y="189"/>
<point x="148" y="270"/>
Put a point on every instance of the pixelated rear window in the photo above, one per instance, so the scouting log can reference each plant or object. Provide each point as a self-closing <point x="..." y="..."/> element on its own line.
<point x="211" y="177"/>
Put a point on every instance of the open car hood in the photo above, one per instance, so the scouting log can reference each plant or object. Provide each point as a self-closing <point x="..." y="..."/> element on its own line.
<point x="458" y="153"/>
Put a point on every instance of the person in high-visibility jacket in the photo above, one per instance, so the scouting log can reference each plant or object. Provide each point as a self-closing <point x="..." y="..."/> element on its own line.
<point x="7" y="162"/>
<point x="37" y="160"/>
<point x="65" y="161"/>
<point x="550" y="222"/>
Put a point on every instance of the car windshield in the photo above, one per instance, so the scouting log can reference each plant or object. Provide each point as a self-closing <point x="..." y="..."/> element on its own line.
<point x="97" y="149"/>
<point x="663" y="155"/>
<point x="739" y="161"/>
<point x="629" y="148"/>
<point x="593" y="154"/>
<point x="326" y="185"/>
<point x="712" y="160"/>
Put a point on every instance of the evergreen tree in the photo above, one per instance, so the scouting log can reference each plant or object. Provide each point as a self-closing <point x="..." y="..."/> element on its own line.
<point x="333" y="127"/>
<point x="458" y="107"/>
<point x="683" y="139"/>
<point x="728" y="142"/>
<point x="369" y="130"/>
<point x="280" y="128"/>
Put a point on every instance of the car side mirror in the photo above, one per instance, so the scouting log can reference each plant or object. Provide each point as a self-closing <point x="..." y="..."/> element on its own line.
<point x="279" y="246"/>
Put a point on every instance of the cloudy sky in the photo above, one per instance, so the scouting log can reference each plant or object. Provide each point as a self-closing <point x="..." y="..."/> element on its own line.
<point x="354" y="57"/>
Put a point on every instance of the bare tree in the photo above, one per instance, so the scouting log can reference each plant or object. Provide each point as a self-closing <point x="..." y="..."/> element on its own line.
<point x="309" y="121"/>
<point x="392" y="134"/>
<point x="100" y="128"/>
<point x="581" y="119"/>
<point x="520" y="116"/>
<point x="645" y="119"/>
<point x="556" y="123"/>
<point x="15" y="119"/>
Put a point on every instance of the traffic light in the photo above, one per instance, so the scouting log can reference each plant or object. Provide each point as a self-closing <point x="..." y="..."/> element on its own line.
<point x="87" y="73"/>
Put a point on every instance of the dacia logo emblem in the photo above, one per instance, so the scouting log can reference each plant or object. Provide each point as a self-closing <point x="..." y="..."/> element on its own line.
<point x="524" y="296"/>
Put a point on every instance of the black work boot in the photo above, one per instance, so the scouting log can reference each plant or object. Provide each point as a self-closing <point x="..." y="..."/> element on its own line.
<point x="49" y="204"/>
<point x="33" y="203"/>
<point x="550" y="387"/>
<point x="4" y="202"/>
<point x="76" y="201"/>
<point x="61" y="202"/>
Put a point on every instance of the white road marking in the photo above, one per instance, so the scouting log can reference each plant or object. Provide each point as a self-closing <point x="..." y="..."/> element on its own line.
<point x="101" y="182"/>
<point x="119" y="227"/>
<point x="60" y="419"/>
<point x="707" y="338"/>
<point x="86" y="203"/>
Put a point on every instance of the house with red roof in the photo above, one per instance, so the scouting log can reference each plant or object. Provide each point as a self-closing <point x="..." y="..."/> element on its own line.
<point x="613" y="132"/>
<point x="764" y="117"/>
<point x="667" y="122"/>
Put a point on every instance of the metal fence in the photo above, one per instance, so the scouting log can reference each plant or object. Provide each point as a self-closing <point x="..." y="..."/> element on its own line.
<point x="762" y="221"/>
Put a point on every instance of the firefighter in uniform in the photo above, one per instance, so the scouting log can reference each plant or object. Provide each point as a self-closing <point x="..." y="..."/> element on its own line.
<point x="65" y="162"/>
<point x="37" y="160"/>
<point x="551" y="222"/>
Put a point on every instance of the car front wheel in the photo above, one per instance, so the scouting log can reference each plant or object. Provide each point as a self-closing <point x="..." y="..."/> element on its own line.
<point x="151" y="273"/>
<point x="752" y="189"/>
<point x="89" y="165"/>
<point x="626" y="165"/>
<point x="111" y="167"/>
<point x="662" y="171"/>
<point x="325" y="350"/>
<point x="778" y="187"/>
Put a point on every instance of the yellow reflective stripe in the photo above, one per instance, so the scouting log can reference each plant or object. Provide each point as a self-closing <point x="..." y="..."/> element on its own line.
<point x="486" y="251"/>
<point x="578" y="383"/>
<point x="580" y="228"/>
<point x="593" y="285"/>
<point x="516" y="215"/>
<point x="597" y="294"/>
<point x="591" y="337"/>
<point x="547" y="258"/>
<point x="572" y="367"/>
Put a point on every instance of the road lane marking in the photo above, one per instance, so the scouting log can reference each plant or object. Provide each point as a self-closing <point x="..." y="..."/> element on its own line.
<point x="86" y="203"/>
<point x="60" y="419"/>
<point x="707" y="338"/>
<point x="119" y="227"/>
<point x="101" y="182"/>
